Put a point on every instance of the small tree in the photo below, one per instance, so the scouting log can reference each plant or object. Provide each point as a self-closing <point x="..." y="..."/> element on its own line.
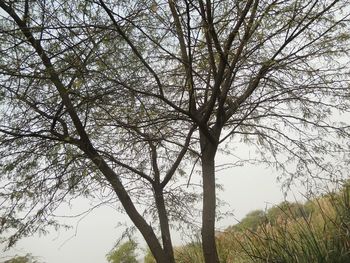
<point x="28" y="258"/>
<point x="124" y="253"/>
<point x="149" y="258"/>
<point x="252" y="220"/>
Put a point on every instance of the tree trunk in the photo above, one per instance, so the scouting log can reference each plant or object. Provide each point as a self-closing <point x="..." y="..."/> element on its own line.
<point x="208" y="150"/>
<point x="144" y="228"/>
<point x="164" y="226"/>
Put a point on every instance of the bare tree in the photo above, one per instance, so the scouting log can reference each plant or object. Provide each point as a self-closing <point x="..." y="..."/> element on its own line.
<point x="120" y="96"/>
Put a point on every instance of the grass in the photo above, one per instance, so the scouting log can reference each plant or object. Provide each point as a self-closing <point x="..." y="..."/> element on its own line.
<point x="317" y="231"/>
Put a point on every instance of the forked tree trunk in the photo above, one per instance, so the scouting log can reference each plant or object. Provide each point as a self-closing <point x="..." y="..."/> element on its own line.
<point x="208" y="150"/>
<point x="145" y="229"/>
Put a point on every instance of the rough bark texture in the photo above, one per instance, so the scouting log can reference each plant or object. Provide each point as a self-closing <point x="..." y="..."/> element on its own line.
<point x="164" y="226"/>
<point x="209" y="201"/>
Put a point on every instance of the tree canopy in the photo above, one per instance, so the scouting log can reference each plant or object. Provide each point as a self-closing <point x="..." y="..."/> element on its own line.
<point x="125" y="99"/>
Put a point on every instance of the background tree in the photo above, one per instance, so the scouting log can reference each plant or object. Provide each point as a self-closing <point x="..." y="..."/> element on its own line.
<point x="28" y="258"/>
<point x="149" y="257"/>
<point x="115" y="98"/>
<point x="124" y="253"/>
<point x="252" y="220"/>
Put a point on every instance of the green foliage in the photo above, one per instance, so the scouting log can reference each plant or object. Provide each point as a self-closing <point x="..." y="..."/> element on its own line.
<point x="252" y="220"/>
<point x="149" y="257"/>
<point x="124" y="253"/>
<point x="28" y="258"/>
<point x="287" y="209"/>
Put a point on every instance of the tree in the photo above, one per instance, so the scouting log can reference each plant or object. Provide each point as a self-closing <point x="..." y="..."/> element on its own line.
<point x="252" y="220"/>
<point x="28" y="258"/>
<point x="124" y="253"/>
<point x="149" y="257"/>
<point x="119" y="96"/>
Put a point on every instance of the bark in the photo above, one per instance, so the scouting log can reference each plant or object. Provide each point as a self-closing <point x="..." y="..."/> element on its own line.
<point x="209" y="200"/>
<point x="164" y="226"/>
<point x="145" y="229"/>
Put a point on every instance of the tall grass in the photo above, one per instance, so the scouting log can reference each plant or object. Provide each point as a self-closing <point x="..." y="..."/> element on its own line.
<point x="190" y="253"/>
<point x="317" y="231"/>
